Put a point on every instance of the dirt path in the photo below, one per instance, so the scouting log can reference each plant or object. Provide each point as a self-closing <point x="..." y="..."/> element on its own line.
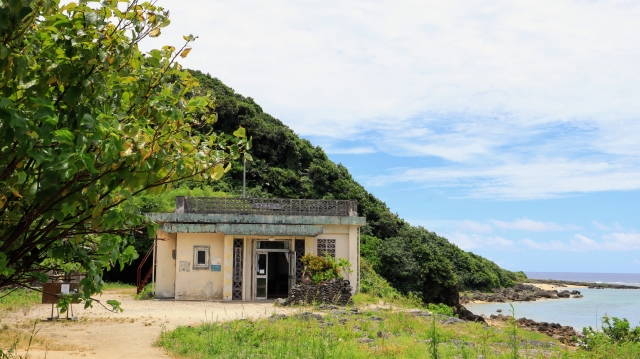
<point x="130" y="334"/>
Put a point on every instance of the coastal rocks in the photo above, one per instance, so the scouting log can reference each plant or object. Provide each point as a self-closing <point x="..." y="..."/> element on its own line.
<point x="577" y="296"/>
<point x="519" y="293"/>
<point x="565" y="334"/>
<point x="333" y="291"/>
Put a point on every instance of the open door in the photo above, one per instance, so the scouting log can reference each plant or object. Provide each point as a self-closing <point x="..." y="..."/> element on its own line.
<point x="292" y="268"/>
<point x="261" y="275"/>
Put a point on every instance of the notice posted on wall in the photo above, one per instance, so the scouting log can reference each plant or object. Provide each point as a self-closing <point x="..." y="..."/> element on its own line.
<point x="64" y="289"/>
<point x="216" y="264"/>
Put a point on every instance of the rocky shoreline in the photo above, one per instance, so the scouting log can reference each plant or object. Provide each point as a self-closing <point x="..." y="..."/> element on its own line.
<point x="519" y="293"/>
<point x="590" y="285"/>
<point x="564" y="334"/>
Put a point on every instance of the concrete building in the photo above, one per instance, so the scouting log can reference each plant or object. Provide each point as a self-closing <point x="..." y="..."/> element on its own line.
<point x="247" y="248"/>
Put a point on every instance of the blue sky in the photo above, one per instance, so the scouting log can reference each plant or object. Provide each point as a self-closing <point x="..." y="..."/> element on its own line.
<point x="511" y="128"/>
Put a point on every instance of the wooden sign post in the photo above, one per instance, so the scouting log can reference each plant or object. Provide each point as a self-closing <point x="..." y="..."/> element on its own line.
<point x="51" y="295"/>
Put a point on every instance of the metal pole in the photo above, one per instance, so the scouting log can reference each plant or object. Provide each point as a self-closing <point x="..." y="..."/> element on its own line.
<point x="244" y="178"/>
<point x="153" y="266"/>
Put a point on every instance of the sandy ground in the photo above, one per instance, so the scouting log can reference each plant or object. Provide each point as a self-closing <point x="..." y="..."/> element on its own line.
<point x="556" y="287"/>
<point x="99" y="333"/>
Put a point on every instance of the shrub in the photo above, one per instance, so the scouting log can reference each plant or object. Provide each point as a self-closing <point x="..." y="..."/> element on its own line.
<point x="614" y="330"/>
<point x="325" y="268"/>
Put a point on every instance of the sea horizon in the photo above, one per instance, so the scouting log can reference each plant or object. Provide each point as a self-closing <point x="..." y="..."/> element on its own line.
<point x="594" y="277"/>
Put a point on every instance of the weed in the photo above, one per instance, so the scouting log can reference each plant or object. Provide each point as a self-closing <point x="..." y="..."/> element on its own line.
<point x="434" y="338"/>
<point x="512" y="331"/>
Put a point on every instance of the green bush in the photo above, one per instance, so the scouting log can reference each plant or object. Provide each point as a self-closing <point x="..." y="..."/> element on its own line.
<point x="614" y="330"/>
<point x="440" y="309"/>
<point x="325" y="268"/>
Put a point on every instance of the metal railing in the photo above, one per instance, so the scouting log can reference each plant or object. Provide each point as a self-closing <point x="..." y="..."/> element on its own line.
<point x="267" y="206"/>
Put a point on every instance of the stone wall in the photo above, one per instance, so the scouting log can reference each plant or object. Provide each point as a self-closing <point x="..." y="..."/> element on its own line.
<point x="334" y="291"/>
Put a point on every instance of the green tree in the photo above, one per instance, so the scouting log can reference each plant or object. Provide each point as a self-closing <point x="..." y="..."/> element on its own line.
<point x="89" y="122"/>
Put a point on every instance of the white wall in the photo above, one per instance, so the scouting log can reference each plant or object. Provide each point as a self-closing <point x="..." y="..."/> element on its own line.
<point x="165" y="265"/>
<point x="198" y="284"/>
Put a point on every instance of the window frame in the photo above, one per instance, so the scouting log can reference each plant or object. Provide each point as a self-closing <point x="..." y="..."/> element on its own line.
<point x="207" y="257"/>
<point x="326" y="245"/>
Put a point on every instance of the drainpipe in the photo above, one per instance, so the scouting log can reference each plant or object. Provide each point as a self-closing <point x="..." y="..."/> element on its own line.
<point x="244" y="178"/>
<point x="153" y="266"/>
<point x="358" y="264"/>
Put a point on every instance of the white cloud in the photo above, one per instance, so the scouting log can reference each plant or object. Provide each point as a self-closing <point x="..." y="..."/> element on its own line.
<point x="603" y="227"/>
<point x="600" y="226"/>
<point x="473" y="241"/>
<point x="544" y="178"/>
<point x="473" y="226"/>
<point x="580" y="243"/>
<point x="522" y="99"/>
<point x="527" y="224"/>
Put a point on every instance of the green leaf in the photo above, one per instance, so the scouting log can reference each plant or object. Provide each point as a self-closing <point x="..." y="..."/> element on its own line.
<point x="240" y="132"/>
<point x="115" y="305"/>
<point x="217" y="172"/>
<point x="22" y="177"/>
<point x="63" y="136"/>
<point x="72" y="95"/>
<point x="97" y="210"/>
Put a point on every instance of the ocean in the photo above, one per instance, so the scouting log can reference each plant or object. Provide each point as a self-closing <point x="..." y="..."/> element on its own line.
<point x="578" y="313"/>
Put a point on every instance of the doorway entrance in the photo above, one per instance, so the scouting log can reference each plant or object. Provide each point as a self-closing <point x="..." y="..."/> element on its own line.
<point x="275" y="269"/>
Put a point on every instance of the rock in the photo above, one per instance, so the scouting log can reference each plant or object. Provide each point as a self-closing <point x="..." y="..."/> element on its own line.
<point x="336" y="292"/>
<point x="327" y="307"/>
<point x="309" y="316"/>
<point x="499" y="311"/>
<point x="564" y="334"/>
<point x="452" y="320"/>
<point x="281" y="302"/>
<point x="577" y="296"/>
<point x="275" y="317"/>
<point x="575" y="292"/>
<point x="365" y="340"/>
<point x="419" y="313"/>
<point x="376" y="319"/>
<point x="464" y="313"/>
<point x="564" y="294"/>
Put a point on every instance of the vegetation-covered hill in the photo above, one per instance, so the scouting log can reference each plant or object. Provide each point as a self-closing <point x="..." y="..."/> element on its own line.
<point x="284" y="165"/>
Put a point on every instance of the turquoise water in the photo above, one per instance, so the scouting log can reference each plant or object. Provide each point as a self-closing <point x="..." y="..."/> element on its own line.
<point x="578" y="313"/>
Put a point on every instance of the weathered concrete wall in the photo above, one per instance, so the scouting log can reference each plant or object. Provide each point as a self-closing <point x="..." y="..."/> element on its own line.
<point x="166" y="265"/>
<point x="346" y="237"/>
<point x="198" y="284"/>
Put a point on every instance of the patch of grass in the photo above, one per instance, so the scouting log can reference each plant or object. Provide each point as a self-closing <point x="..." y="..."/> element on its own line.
<point x="119" y="288"/>
<point x="374" y="289"/>
<point x="20" y="299"/>
<point x="146" y="293"/>
<point x="373" y="334"/>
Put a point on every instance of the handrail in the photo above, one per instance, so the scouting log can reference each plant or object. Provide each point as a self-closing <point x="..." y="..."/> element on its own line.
<point x="141" y="282"/>
<point x="267" y="206"/>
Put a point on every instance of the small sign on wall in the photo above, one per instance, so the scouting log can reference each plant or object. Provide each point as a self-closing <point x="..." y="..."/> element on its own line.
<point x="216" y="264"/>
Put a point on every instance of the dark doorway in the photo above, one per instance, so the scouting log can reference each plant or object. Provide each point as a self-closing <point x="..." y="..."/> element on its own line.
<point x="278" y="275"/>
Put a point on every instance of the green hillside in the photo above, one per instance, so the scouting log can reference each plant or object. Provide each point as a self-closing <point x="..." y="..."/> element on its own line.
<point x="284" y="165"/>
